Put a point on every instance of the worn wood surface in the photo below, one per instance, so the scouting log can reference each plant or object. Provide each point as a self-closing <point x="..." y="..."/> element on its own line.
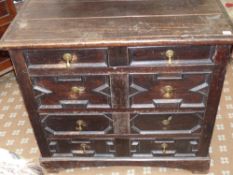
<point x="121" y="99"/>
<point x="196" y="165"/>
<point x="61" y="23"/>
<point x="124" y="108"/>
<point x="27" y="92"/>
<point x="7" y="14"/>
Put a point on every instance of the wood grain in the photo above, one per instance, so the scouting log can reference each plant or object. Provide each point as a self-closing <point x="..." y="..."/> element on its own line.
<point x="73" y="24"/>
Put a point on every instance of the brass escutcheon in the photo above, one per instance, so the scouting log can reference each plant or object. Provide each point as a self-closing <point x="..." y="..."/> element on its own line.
<point x="167" y="91"/>
<point x="80" y="125"/>
<point x="78" y="89"/>
<point x="164" y="147"/>
<point x="84" y="147"/>
<point x="67" y="57"/>
<point x="167" y="121"/>
<point x="170" y="54"/>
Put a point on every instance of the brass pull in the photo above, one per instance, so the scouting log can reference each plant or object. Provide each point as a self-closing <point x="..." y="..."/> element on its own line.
<point x="170" y="54"/>
<point x="68" y="58"/>
<point x="167" y="91"/>
<point x="80" y="124"/>
<point x="84" y="147"/>
<point x="167" y="121"/>
<point x="164" y="147"/>
<point x="78" y="89"/>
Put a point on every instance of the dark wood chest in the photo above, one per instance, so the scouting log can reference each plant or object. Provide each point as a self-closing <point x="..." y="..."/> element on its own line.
<point x="121" y="82"/>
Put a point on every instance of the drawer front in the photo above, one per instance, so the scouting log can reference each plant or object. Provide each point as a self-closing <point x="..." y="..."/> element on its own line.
<point x="62" y="58"/>
<point x="169" y="90"/>
<point x="154" y="56"/>
<point x="82" y="148"/>
<point x="81" y="92"/>
<point x="76" y="124"/>
<point x="163" y="147"/>
<point x="175" y="123"/>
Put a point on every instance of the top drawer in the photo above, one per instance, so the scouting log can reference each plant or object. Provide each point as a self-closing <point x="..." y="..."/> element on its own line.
<point x="138" y="56"/>
<point x="174" y="55"/>
<point x="65" y="58"/>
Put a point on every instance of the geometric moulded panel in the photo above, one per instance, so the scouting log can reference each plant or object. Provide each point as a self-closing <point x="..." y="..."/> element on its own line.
<point x="163" y="147"/>
<point x="82" y="148"/>
<point x="169" y="90"/>
<point x="83" y="92"/>
<point x="77" y="124"/>
<point x="166" y="123"/>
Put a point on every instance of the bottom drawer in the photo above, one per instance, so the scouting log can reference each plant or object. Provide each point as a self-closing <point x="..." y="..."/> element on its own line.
<point x="82" y="148"/>
<point x="131" y="147"/>
<point x="163" y="147"/>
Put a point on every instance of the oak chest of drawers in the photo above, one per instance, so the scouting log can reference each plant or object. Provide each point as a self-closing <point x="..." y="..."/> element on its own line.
<point x="121" y="82"/>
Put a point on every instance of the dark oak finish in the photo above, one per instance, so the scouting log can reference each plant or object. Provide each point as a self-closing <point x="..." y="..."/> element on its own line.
<point x="214" y="96"/>
<point x="57" y="92"/>
<point x="54" y="58"/>
<point x="163" y="147"/>
<point x="183" y="55"/>
<point x="83" y="148"/>
<point x="7" y="14"/>
<point x="168" y="123"/>
<point x="190" y="90"/>
<point x="201" y="163"/>
<point x="27" y="92"/>
<point x="70" y="124"/>
<point x="82" y="23"/>
<point x="140" y="85"/>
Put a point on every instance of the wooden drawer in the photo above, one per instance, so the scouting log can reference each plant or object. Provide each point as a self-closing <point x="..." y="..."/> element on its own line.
<point x="81" y="92"/>
<point x="58" y="58"/>
<point x="136" y="147"/>
<point x="154" y="56"/>
<point x="163" y="147"/>
<point x="169" y="90"/>
<point x="82" y="148"/>
<point x="76" y="124"/>
<point x="166" y="123"/>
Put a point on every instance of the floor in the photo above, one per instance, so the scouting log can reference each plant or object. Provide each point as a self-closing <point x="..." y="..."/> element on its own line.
<point x="16" y="134"/>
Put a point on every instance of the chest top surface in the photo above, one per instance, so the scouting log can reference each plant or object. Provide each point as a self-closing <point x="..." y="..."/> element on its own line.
<point x="72" y="23"/>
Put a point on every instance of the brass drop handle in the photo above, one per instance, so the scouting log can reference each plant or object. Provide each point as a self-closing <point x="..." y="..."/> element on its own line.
<point x="67" y="57"/>
<point x="167" y="121"/>
<point x="84" y="147"/>
<point x="80" y="124"/>
<point x="78" y="89"/>
<point x="164" y="147"/>
<point x="167" y="91"/>
<point x="170" y="54"/>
